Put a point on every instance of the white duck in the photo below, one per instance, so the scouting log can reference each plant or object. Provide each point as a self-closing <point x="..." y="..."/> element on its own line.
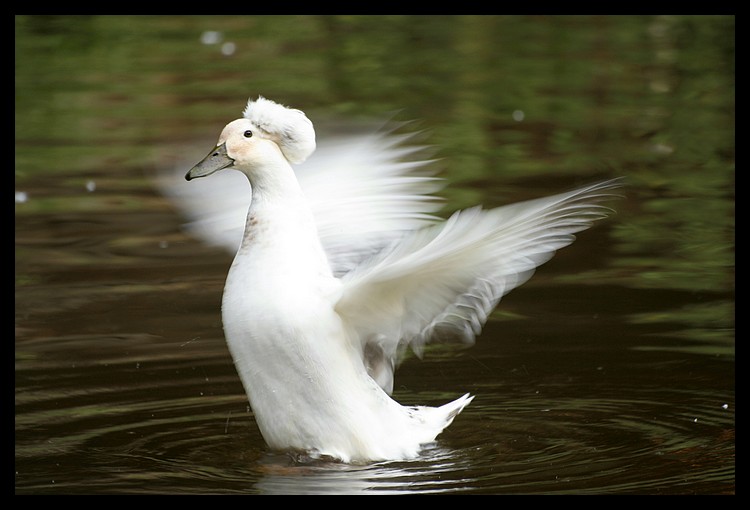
<point x="341" y="267"/>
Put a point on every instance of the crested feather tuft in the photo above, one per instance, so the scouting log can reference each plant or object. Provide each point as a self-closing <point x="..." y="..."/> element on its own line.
<point x="289" y="128"/>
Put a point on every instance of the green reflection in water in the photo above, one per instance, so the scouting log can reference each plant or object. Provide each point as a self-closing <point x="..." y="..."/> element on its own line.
<point x="518" y="107"/>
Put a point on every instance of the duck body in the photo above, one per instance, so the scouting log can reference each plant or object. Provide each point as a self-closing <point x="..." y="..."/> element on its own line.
<point x="304" y="378"/>
<point x="316" y="345"/>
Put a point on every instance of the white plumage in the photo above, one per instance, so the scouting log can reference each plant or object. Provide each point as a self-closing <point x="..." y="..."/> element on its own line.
<point x="342" y="264"/>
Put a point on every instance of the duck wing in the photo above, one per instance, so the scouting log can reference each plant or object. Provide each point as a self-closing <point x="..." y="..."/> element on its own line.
<point x="365" y="190"/>
<point x="445" y="279"/>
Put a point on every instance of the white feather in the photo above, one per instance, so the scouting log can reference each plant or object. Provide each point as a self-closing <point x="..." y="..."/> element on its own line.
<point x="362" y="194"/>
<point x="448" y="277"/>
<point x="408" y="277"/>
<point x="343" y="265"/>
<point x="289" y="128"/>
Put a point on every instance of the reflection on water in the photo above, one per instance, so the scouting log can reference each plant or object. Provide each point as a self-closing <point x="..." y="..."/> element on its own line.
<point x="163" y="422"/>
<point x="612" y="370"/>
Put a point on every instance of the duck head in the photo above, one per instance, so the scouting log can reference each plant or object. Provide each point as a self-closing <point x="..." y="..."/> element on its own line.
<point x="266" y="132"/>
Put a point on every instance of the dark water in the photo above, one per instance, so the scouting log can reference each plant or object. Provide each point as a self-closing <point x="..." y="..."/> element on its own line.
<point x="611" y="371"/>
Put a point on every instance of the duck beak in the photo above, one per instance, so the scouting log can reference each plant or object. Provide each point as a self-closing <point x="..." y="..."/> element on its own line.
<point x="216" y="160"/>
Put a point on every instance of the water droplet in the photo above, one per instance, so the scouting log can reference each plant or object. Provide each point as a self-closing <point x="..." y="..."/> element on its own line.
<point x="662" y="148"/>
<point x="228" y="48"/>
<point x="211" y="37"/>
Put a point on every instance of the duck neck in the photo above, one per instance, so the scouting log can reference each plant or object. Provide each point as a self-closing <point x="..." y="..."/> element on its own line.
<point x="279" y="220"/>
<point x="275" y="185"/>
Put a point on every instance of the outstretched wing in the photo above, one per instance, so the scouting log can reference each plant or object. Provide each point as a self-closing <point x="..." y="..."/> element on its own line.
<point x="364" y="189"/>
<point x="449" y="276"/>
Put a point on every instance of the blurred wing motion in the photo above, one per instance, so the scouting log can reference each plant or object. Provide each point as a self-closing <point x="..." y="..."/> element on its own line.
<point x="364" y="193"/>
<point x="362" y="188"/>
<point x="447" y="277"/>
<point x="407" y="276"/>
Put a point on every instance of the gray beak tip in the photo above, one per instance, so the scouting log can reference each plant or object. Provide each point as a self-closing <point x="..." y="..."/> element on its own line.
<point x="216" y="160"/>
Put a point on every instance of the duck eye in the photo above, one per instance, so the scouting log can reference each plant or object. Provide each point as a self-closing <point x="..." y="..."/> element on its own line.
<point x="248" y="133"/>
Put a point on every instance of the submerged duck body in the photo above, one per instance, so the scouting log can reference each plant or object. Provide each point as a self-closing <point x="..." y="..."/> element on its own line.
<point x="326" y="292"/>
